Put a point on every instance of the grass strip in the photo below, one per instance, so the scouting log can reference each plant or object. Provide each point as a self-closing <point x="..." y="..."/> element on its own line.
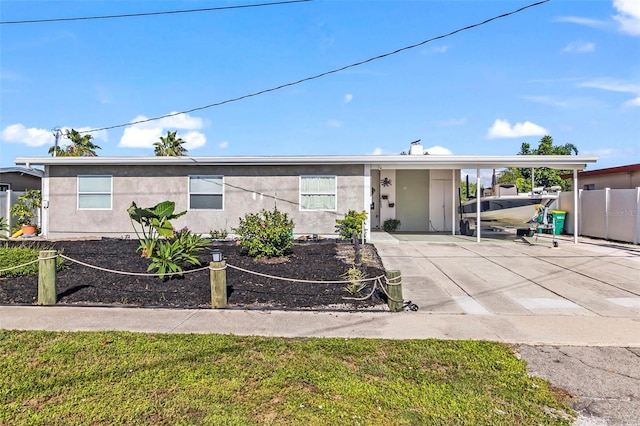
<point x="134" y="378"/>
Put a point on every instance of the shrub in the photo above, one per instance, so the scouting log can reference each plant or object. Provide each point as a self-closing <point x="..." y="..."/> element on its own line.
<point x="391" y="225"/>
<point x="3" y="227"/>
<point x="11" y="256"/>
<point x="220" y="234"/>
<point x="268" y="233"/>
<point x="351" y="224"/>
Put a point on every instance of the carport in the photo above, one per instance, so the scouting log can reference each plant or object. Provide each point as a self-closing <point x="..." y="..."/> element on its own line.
<point x="453" y="164"/>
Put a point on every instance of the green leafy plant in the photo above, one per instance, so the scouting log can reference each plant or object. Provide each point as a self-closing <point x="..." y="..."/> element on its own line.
<point x="171" y="256"/>
<point x="351" y="224"/>
<point x="11" y="256"/>
<point x="191" y="243"/>
<point x="26" y="209"/>
<point x="4" y="227"/>
<point x="219" y="234"/>
<point x="154" y="222"/>
<point x="390" y="225"/>
<point x="268" y="233"/>
<point x="356" y="277"/>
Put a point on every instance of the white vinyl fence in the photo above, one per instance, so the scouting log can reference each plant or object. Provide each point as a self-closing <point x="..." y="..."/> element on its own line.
<point x="610" y="214"/>
<point x="8" y="199"/>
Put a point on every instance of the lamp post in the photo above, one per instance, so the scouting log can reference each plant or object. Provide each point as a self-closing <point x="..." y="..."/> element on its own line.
<point x="218" y="280"/>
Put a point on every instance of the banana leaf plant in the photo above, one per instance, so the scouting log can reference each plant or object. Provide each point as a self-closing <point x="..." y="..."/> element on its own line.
<point x="154" y="223"/>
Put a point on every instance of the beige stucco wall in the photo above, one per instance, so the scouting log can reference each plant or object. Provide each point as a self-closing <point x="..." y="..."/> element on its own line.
<point x="247" y="190"/>
<point x="626" y="180"/>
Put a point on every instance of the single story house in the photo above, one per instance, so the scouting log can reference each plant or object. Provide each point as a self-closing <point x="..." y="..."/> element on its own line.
<point x="19" y="179"/>
<point x="89" y="196"/>
<point x="620" y="177"/>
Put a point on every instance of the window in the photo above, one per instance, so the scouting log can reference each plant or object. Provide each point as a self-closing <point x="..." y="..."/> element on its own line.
<point x="206" y="192"/>
<point x="94" y="192"/>
<point x="317" y="192"/>
<point x="590" y="187"/>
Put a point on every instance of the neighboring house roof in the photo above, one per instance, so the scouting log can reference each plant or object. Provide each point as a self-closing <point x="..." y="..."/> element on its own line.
<point x="611" y="170"/>
<point x="22" y="170"/>
<point x="380" y="161"/>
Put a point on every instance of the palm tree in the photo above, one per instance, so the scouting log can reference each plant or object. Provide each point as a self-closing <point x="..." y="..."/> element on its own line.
<point x="81" y="146"/>
<point x="170" y="145"/>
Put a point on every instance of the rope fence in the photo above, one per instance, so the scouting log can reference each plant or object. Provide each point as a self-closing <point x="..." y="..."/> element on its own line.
<point x="377" y="281"/>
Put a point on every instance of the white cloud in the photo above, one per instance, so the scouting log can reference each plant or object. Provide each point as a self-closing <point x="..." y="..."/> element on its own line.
<point x="145" y="134"/>
<point x="377" y="151"/>
<point x="633" y="102"/>
<point x="438" y="150"/>
<point x="136" y="137"/>
<point x="18" y="133"/>
<point x="629" y="16"/>
<point x="436" y="49"/>
<point x="616" y="86"/>
<point x="334" y="123"/>
<point x="579" y="46"/>
<point x="194" y="140"/>
<point x="602" y="153"/>
<point x="223" y="145"/>
<point x="503" y="129"/>
<point x="581" y="21"/>
<point x="547" y="100"/>
<point x="348" y="98"/>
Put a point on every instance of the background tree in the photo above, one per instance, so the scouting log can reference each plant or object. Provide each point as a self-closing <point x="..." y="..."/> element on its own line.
<point x="170" y="145"/>
<point x="544" y="176"/>
<point x="80" y="146"/>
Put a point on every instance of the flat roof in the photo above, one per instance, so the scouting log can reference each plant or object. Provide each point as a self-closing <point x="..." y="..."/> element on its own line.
<point x="609" y="170"/>
<point x="22" y="170"/>
<point x="578" y="162"/>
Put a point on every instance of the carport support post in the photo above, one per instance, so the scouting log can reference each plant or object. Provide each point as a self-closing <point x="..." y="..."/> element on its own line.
<point x="478" y="205"/>
<point x="218" y="278"/>
<point x="394" y="288"/>
<point x="47" y="277"/>
<point x="575" y="206"/>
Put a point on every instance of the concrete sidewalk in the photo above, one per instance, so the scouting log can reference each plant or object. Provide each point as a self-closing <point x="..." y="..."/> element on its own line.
<point x="532" y="330"/>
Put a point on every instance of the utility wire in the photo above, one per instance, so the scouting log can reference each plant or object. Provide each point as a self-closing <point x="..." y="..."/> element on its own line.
<point x="356" y="64"/>
<point x="134" y="15"/>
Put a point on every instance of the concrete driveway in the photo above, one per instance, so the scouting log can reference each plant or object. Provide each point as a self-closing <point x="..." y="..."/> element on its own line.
<point x="575" y="309"/>
<point x="512" y="278"/>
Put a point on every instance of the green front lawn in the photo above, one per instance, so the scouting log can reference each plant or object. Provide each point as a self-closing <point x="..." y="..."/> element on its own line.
<point x="131" y="378"/>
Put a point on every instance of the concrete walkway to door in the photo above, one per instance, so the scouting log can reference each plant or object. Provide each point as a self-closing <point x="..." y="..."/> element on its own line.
<point x="582" y="294"/>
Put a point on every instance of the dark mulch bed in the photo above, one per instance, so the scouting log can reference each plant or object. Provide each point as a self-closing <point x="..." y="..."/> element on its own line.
<point x="316" y="261"/>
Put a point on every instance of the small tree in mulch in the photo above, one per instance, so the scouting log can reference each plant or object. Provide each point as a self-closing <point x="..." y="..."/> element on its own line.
<point x="351" y="224"/>
<point x="267" y="233"/>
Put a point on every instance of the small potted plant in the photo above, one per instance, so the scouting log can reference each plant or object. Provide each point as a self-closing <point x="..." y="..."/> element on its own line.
<point x="26" y="210"/>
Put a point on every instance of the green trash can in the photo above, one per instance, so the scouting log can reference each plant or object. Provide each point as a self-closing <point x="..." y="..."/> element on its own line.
<point x="558" y="220"/>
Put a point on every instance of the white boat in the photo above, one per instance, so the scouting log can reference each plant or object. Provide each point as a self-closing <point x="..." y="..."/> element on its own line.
<point x="504" y="207"/>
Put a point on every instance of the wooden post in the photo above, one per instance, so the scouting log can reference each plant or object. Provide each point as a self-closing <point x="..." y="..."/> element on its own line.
<point x="47" y="294"/>
<point x="394" y="288"/>
<point x="218" y="276"/>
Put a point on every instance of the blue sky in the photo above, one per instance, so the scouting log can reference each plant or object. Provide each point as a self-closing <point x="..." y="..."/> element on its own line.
<point x="567" y="68"/>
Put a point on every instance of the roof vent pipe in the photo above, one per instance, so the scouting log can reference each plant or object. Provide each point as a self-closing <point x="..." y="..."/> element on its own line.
<point x="416" y="148"/>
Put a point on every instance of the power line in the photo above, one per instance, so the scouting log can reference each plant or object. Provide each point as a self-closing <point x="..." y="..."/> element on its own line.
<point x="133" y="15"/>
<point x="356" y="64"/>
